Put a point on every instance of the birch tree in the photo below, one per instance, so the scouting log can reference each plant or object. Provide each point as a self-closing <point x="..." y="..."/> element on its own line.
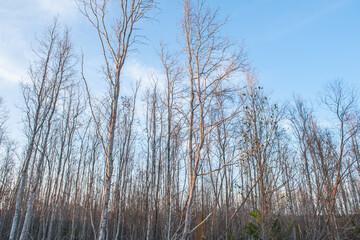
<point x="7" y="166"/>
<point x="211" y="60"/>
<point x="39" y="96"/>
<point x="116" y="42"/>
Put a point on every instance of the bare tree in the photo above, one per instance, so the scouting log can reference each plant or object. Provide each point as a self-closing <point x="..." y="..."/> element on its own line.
<point x="3" y="118"/>
<point x="211" y="60"/>
<point x="7" y="166"/>
<point x="116" y="42"/>
<point x="62" y="66"/>
<point x="173" y="74"/>
<point x="40" y="97"/>
<point x="210" y="156"/>
<point x="341" y="101"/>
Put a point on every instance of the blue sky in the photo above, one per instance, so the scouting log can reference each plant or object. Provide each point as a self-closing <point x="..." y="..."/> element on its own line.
<point x="295" y="46"/>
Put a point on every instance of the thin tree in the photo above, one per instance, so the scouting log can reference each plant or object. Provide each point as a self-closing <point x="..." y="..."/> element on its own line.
<point x="116" y="42"/>
<point x="211" y="60"/>
<point x="37" y="97"/>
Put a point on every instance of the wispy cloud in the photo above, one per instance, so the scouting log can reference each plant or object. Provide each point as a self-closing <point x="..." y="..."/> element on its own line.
<point x="20" y="20"/>
<point x="65" y="8"/>
<point x="135" y="70"/>
<point x="13" y="52"/>
<point x="10" y="72"/>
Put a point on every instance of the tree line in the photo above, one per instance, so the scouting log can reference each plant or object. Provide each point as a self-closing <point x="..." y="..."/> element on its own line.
<point x="201" y="153"/>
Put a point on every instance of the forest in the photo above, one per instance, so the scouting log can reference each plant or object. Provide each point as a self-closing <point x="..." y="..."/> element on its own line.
<point x="201" y="152"/>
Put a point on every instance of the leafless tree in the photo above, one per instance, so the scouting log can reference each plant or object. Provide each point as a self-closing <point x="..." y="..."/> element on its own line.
<point x="206" y="153"/>
<point x="211" y="60"/>
<point x="47" y="75"/>
<point x="116" y="42"/>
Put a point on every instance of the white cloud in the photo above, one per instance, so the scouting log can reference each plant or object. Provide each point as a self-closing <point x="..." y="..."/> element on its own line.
<point x="20" y="21"/>
<point x="9" y="71"/>
<point x="13" y="52"/>
<point x="64" y="8"/>
<point x="135" y="70"/>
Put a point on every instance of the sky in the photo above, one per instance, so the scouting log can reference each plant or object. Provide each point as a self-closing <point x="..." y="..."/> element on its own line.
<point x="295" y="46"/>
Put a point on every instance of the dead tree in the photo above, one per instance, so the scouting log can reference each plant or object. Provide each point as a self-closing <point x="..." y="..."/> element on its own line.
<point x="211" y="60"/>
<point x="39" y="100"/>
<point x="116" y="42"/>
